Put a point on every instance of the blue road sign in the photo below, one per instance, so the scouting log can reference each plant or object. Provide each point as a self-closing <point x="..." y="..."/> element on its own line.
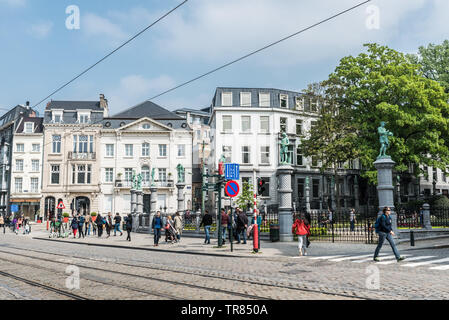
<point x="232" y="171"/>
<point x="14" y="208"/>
<point x="232" y="189"/>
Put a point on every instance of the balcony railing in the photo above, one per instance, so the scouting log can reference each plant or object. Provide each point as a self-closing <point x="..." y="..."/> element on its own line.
<point x="145" y="184"/>
<point x="82" y="156"/>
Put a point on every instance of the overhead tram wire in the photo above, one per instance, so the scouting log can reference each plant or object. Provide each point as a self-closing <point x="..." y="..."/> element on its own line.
<point x="261" y="49"/>
<point x="110" y="54"/>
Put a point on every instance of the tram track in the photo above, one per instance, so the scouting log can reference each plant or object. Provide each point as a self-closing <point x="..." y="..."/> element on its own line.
<point x="164" y="268"/>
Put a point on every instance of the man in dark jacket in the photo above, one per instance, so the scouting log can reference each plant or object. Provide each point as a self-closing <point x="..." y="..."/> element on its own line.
<point x="386" y="231"/>
<point x="157" y="225"/>
<point x="81" y="221"/>
<point x="99" y="223"/>
<point x="242" y="225"/>
<point x="117" y="220"/>
<point x="129" y="226"/>
<point x="207" y="222"/>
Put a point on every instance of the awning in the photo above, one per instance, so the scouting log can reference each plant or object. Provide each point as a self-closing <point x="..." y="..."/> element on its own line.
<point x="27" y="201"/>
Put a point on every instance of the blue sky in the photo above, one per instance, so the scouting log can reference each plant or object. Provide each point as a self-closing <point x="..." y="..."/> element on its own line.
<point x="38" y="53"/>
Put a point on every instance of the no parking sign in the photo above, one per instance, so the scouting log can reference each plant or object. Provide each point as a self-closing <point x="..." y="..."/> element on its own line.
<point x="232" y="189"/>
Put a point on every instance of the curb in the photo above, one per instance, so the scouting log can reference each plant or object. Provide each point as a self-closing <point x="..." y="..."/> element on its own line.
<point x="146" y="249"/>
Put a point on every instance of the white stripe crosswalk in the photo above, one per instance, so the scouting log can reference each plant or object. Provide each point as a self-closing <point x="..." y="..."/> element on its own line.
<point x="387" y="259"/>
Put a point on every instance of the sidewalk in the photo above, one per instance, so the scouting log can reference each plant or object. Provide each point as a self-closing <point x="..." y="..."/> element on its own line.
<point x="195" y="245"/>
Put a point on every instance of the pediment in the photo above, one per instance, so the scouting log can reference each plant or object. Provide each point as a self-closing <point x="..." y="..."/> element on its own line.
<point x="145" y="124"/>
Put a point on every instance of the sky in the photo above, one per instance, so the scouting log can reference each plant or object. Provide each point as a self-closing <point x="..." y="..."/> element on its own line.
<point x="38" y="53"/>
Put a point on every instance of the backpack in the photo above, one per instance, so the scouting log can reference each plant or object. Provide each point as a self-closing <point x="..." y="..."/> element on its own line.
<point x="377" y="224"/>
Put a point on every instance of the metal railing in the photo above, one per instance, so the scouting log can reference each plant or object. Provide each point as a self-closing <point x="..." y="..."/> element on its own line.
<point x="82" y="156"/>
<point x="439" y="217"/>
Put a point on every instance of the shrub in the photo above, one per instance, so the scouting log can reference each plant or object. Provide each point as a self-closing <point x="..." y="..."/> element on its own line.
<point x="441" y="202"/>
<point x="65" y="215"/>
<point x="93" y="214"/>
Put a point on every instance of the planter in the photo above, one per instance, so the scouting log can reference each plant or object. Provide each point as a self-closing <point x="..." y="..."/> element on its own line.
<point x="94" y="218"/>
<point x="65" y="220"/>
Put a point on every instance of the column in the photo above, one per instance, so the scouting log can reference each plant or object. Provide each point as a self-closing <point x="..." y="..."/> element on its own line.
<point x="153" y="205"/>
<point x="181" y="204"/>
<point x="426" y="216"/>
<point x="285" y="202"/>
<point x="385" y="189"/>
<point x="356" y="192"/>
<point x="139" y="207"/>
<point x="308" y="194"/>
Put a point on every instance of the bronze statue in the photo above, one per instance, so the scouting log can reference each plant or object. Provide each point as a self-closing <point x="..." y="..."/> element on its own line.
<point x="181" y="173"/>
<point x="153" y="173"/>
<point x="384" y="142"/>
<point x="285" y="142"/>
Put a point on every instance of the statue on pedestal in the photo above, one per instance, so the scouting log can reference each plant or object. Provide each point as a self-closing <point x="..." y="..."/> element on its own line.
<point x="139" y="182"/>
<point x="181" y="173"/>
<point x="285" y="142"/>
<point x="153" y="173"/>
<point x="134" y="180"/>
<point x="384" y="142"/>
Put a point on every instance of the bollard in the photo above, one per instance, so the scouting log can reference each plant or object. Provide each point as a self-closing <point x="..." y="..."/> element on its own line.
<point x="412" y="238"/>
<point x="256" y="238"/>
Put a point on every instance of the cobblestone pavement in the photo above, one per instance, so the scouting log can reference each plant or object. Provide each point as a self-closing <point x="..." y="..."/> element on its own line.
<point x="144" y="274"/>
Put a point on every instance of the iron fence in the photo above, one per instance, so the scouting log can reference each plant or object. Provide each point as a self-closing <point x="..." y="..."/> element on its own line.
<point x="439" y="217"/>
<point x="409" y="217"/>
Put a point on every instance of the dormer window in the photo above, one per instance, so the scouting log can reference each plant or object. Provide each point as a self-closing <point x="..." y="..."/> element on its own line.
<point x="299" y="103"/>
<point x="57" y="116"/>
<point x="146" y="126"/>
<point x="226" y="99"/>
<point x="284" y="101"/>
<point x="29" y="127"/>
<point x="83" y="117"/>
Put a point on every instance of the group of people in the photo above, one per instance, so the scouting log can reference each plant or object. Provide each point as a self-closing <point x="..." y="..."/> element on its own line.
<point x="16" y="224"/>
<point x="173" y="228"/>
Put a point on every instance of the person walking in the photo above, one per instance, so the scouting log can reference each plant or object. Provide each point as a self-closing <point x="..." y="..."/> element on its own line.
<point x="207" y="223"/>
<point x="117" y="220"/>
<point x="81" y="221"/>
<point x="2" y="223"/>
<point x="385" y="231"/>
<point x="352" y="220"/>
<point x="157" y="225"/>
<point x="74" y="226"/>
<point x="300" y="228"/>
<point x="242" y="225"/>
<point x="87" y="223"/>
<point x="224" y="224"/>
<point x="129" y="226"/>
<point x="108" y="224"/>
<point x="100" y="224"/>
<point x="178" y="226"/>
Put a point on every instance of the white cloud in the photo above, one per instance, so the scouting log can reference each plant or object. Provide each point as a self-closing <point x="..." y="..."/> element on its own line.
<point x="100" y="27"/>
<point x="41" y="30"/>
<point x="14" y="3"/>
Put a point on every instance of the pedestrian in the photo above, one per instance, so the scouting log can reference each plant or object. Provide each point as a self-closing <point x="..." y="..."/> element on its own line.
<point x="157" y="225"/>
<point x="178" y="226"/>
<point x="2" y="223"/>
<point x="242" y="225"/>
<point x="81" y="221"/>
<point x="169" y="233"/>
<point x="224" y="224"/>
<point x="301" y="229"/>
<point x="100" y="224"/>
<point x="87" y="223"/>
<point x="207" y="223"/>
<point x="117" y="220"/>
<point x="352" y="220"/>
<point x="129" y="226"/>
<point x="108" y="224"/>
<point x="74" y="225"/>
<point x="385" y="231"/>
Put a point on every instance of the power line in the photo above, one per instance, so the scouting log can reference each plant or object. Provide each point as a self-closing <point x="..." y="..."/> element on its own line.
<point x="259" y="50"/>
<point x="108" y="55"/>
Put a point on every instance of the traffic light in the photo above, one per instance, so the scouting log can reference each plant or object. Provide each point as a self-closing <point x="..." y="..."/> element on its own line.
<point x="260" y="186"/>
<point x="221" y="169"/>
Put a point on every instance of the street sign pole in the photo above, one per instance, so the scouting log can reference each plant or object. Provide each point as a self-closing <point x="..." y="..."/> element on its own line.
<point x="231" y="230"/>
<point x="220" y="231"/>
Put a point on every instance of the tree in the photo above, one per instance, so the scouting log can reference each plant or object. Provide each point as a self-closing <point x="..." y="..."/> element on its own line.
<point x="246" y="198"/>
<point x="383" y="85"/>
<point x="330" y="140"/>
<point x="434" y="62"/>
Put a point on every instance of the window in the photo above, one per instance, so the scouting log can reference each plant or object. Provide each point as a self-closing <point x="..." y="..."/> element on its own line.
<point x="29" y="127"/>
<point x="181" y="150"/>
<point x="298" y="127"/>
<point x="227" y="152"/>
<point x="109" y="175"/>
<point x="34" y="185"/>
<point x="146" y="126"/>
<point x="265" y="155"/>
<point x="162" y="150"/>
<point x="81" y="173"/>
<point x="55" y="174"/>
<point x="57" y="117"/>
<point x="283" y="123"/>
<point x="146" y="174"/>
<point x="20" y="147"/>
<point x="246" y="154"/>
<point x="109" y="150"/>
<point x="19" y="165"/>
<point x="163" y="175"/>
<point x="56" y="144"/>
<point x="35" y="166"/>
<point x="246" y="124"/>
<point x="129" y="152"/>
<point x="284" y="101"/>
<point x="299" y="158"/>
<point x="316" y="188"/>
<point x="36" y="148"/>
<point x="145" y="150"/>
<point x="84" y="118"/>
<point x="314" y="105"/>
<point x="198" y="134"/>
<point x="18" y="185"/>
<point x="301" y="186"/>
<point x="227" y="123"/>
<point x="264" y="100"/>
<point x="245" y="99"/>
<point x="266" y="192"/>
<point x="264" y="124"/>
<point x="226" y="99"/>
<point x="314" y="162"/>
<point x="299" y="101"/>
<point x="128" y="174"/>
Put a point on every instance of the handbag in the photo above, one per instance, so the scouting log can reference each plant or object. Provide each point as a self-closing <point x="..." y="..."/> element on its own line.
<point x="249" y="230"/>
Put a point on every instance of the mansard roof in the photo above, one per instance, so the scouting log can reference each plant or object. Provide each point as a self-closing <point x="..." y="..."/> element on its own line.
<point x="74" y="105"/>
<point x="147" y="109"/>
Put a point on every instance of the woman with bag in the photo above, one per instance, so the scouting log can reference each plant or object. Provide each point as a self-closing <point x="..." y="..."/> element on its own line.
<point x="301" y="229"/>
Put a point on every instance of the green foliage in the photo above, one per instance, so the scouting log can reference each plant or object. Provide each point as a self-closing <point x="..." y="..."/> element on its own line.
<point x="383" y="85"/>
<point x="93" y="214"/>
<point x="318" y="231"/>
<point x="246" y="197"/>
<point x="440" y="202"/>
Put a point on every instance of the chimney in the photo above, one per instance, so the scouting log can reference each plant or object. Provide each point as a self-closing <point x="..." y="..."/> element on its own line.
<point x="104" y="105"/>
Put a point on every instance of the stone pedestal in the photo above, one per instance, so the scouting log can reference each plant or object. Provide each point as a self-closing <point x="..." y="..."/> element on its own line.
<point x="153" y="205"/>
<point x="284" y="173"/>
<point x="385" y="189"/>
<point x="133" y="201"/>
<point x="426" y="216"/>
<point x="307" y="194"/>
<point x="181" y="205"/>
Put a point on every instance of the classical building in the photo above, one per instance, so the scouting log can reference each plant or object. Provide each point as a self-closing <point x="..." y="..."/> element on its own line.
<point x="144" y="138"/>
<point x="9" y="123"/>
<point x="27" y="166"/>
<point x="71" y="170"/>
